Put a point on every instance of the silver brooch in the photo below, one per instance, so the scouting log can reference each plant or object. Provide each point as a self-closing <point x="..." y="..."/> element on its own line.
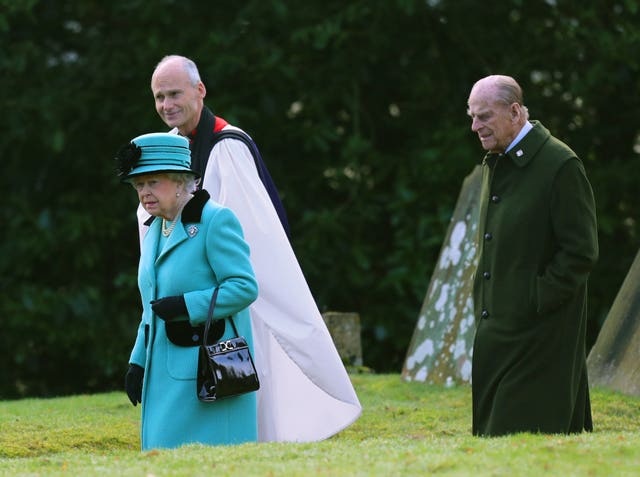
<point x="519" y="153"/>
<point x="192" y="230"/>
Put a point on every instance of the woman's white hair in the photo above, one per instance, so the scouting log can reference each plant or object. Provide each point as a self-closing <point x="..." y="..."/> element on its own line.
<point x="188" y="181"/>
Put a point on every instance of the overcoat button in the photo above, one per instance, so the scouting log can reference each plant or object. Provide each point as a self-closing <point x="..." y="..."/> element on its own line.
<point x="488" y="236"/>
<point x="495" y="199"/>
<point x="484" y="314"/>
<point x="195" y="338"/>
<point x="486" y="275"/>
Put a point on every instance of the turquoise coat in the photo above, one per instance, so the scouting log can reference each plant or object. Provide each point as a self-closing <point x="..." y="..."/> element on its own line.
<point x="205" y="250"/>
<point x="538" y="243"/>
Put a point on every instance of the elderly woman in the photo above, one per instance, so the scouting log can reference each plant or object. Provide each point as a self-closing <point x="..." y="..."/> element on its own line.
<point x="193" y="246"/>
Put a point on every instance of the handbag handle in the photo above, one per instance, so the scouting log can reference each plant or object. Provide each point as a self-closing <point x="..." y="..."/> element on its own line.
<point x="212" y="307"/>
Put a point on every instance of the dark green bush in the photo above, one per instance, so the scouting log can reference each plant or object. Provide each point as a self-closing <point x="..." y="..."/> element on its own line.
<point x="359" y="109"/>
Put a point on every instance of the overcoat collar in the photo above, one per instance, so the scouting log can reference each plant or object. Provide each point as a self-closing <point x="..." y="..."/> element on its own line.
<point x="522" y="153"/>
<point x="192" y="211"/>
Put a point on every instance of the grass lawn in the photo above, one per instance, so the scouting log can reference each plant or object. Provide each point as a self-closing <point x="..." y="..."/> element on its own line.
<point x="406" y="429"/>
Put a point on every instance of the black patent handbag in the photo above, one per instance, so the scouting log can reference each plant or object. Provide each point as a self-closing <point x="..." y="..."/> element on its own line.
<point x="225" y="368"/>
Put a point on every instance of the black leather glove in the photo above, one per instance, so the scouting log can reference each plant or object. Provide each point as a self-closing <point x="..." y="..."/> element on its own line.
<point x="169" y="307"/>
<point x="133" y="383"/>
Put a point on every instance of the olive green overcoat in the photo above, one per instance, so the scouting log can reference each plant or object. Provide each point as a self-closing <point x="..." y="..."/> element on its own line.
<point x="537" y="244"/>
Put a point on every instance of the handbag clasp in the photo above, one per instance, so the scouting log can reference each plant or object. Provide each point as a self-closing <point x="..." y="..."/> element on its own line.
<point x="226" y="345"/>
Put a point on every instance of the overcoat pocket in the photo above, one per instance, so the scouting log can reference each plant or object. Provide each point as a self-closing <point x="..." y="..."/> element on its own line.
<point x="182" y="362"/>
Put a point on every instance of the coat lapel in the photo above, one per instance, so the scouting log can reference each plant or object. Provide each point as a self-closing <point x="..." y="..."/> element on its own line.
<point x="150" y="247"/>
<point x="176" y="238"/>
<point x="191" y="213"/>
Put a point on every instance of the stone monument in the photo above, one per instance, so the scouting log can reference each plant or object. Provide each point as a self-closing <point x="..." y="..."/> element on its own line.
<point x="441" y="348"/>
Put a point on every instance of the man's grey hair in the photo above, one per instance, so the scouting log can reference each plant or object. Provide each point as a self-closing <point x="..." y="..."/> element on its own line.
<point x="189" y="66"/>
<point x="508" y="91"/>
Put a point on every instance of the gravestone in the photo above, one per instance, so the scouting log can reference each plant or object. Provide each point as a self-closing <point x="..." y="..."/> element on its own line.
<point x="442" y="344"/>
<point x="344" y="329"/>
<point x="613" y="360"/>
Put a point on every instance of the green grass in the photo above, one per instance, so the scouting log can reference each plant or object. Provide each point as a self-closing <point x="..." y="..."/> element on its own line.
<point x="406" y="429"/>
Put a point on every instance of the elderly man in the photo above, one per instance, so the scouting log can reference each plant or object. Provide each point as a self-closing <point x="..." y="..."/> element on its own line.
<point x="537" y="245"/>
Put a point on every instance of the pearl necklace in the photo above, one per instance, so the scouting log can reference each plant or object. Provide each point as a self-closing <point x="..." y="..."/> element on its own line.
<point x="166" y="231"/>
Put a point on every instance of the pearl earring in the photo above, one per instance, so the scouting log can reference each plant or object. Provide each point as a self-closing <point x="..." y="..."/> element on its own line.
<point x="177" y="194"/>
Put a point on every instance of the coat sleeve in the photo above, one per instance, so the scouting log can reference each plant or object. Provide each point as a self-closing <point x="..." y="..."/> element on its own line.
<point x="573" y="218"/>
<point x="139" y="354"/>
<point x="228" y="255"/>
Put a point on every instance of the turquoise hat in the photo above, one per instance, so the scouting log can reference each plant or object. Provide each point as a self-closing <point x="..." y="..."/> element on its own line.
<point x="152" y="153"/>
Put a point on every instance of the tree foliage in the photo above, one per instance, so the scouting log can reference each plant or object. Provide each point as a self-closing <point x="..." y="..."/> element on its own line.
<point x="359" y="110"/>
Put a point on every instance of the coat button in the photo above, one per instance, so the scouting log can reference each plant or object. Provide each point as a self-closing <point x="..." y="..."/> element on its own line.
<point x="488" y="236"/>
<point x="484" y="315"/>
<point x="495" y="199"/>
<point x="195" y="338"/>
<point x="486" y="275"/>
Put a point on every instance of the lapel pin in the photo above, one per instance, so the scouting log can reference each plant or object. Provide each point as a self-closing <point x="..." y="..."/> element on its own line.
<point x="519" y="153"/>
<point x="192" y="230"/>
